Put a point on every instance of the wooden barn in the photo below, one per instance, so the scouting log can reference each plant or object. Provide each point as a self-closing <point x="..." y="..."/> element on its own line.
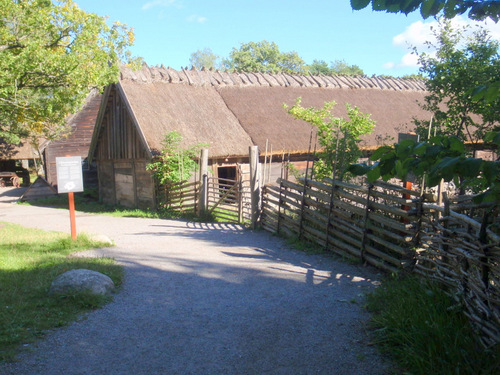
<point x="229" y="112"/>
<point x="76" y="143"/>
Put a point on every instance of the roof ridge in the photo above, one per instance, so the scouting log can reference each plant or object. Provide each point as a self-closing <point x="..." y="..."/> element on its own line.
<point x="209" y="77"/>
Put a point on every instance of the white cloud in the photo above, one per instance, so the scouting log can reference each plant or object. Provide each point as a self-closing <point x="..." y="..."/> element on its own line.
<point x="160" y="3"/>
<point x="419" y="33"/>
<point x="196" y="18"/>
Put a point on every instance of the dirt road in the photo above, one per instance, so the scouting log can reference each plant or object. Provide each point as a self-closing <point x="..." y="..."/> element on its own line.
<point x="207" y="299"/>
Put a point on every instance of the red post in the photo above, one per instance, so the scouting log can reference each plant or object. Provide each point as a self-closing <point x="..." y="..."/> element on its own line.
<point x="407" y="185"/>
<point x="71" y="200"/>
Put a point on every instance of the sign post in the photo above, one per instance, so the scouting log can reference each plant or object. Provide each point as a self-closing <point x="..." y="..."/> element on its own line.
<point x="70" y="180"/>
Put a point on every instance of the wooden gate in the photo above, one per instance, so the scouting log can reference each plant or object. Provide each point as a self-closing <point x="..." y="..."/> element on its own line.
<point x="229" y="200"/>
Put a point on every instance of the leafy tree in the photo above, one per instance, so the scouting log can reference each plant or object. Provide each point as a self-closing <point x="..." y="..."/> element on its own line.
<point x="205" y="59"/>
<point x="264" y="57"/>
<point x="175" y="164"/>
<point x="51" y="55"/>
<point x="336" y="67"/>
<point x="338" y="137"/>
<point x="341" y="67"/>
<point x="439" y="158"/>
<point x="319" y="67"/>
<point x="478" y="9"/>
<point x="459" y="66"/>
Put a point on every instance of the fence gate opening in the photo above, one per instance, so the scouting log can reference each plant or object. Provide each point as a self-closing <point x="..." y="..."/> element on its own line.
<point x="229" y="199"/>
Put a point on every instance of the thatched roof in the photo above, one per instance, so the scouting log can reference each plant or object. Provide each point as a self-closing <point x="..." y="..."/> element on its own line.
<point x="234" y="110"/>
<point x="198" y="113"/>
<point x="21" y="151"/>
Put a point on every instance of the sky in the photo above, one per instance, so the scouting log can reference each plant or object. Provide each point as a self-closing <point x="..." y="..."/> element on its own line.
<point x="168" y="31"/>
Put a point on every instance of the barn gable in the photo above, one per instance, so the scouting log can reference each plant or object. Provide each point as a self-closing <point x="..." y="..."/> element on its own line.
<point x="121" y="154"/>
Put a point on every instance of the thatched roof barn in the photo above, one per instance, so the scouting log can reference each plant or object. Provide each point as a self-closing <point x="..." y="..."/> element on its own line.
<point x="76" y="142"/>
<point x="232" y="111"/>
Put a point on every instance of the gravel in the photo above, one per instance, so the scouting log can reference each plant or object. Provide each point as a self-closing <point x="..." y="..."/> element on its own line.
<point x="208" y="299"/>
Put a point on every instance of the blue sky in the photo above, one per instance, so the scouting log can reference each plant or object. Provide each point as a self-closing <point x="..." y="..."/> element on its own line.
<point x="169" y="31"/>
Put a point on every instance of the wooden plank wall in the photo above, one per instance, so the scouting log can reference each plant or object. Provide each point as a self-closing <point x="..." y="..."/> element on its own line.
<point x="122" y="160"/>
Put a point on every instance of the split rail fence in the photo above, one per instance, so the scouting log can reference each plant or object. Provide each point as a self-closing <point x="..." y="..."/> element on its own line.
<point x="394" y="229"/>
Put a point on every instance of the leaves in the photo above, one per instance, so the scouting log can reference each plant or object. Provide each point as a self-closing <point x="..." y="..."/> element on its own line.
<point x="463" y="84"/>
<point x="440" y="158"/>
<point x="175" y="163"/>
<point x="264" y="56"/>
<point x="478" y="9"/>
<point x="52" y="54"/>
<point x="338" y="137"/>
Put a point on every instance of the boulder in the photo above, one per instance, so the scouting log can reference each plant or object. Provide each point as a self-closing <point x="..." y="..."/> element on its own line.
<point x="82" y="280"/>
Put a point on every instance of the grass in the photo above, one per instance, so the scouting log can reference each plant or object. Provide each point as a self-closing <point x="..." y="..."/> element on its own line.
<point x="29" y="261"/>
<point x="422" y="329"/>
<point x="88" y="202"/>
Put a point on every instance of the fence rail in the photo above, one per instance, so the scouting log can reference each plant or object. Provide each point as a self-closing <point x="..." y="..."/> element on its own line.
<point x="179" y="197"/>
<point x="229" y="200"/>
<point x="394" y="229"/>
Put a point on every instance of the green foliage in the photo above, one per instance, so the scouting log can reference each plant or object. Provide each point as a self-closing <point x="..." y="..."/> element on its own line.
<point x="205" y="59"/>
<point x="461" y="69"/>
<point x="175" y="164"/>
<point x="337" y="136"/>
<point x="418" y="325"/>
<point x="264" y="57"/>
<point x="478" y="9"/>
<point x="440" y="157"/>
<point x="30" y="260"/>
<point x="336" y="67"/>
<point x="51" y="55"/>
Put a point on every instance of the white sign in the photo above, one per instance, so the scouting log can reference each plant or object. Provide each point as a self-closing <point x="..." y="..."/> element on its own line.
<point x="69" y="174"/>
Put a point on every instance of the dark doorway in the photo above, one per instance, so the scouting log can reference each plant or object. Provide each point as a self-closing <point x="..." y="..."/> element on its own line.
<point x="227" y="173"/>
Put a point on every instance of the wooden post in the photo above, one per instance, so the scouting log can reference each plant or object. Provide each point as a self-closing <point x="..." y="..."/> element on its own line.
<point x="203" y="206"/>
<point x="365" y="222"/>
<point x="254" y="184"/>
<point x="71" y="200"/>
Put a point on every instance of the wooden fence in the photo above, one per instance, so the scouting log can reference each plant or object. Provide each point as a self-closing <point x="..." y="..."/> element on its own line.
<point x="227" y="200"/>
<point x="394" y="229"/>
<point x="179" y="197"/>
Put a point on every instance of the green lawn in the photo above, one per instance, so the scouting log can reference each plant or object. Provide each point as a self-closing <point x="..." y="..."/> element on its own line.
<point x="425" y="331"/>
<point x="30" y="260"/>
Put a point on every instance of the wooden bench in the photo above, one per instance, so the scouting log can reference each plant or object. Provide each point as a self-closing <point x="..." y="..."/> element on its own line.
<point x="9" y="177"/>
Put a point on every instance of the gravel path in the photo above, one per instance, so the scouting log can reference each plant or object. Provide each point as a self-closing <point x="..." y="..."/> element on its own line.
<point x="207" y="299"/>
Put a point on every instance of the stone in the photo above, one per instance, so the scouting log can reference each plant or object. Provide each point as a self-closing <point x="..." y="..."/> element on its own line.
<point x="82" y="280"/>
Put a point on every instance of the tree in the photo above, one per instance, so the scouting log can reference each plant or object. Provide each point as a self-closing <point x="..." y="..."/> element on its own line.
<point x="175" y="163"/>
<point x="459" y="66"/>
<point x="264" y="57"/>
<point x="341" y="67"/>
<point x="439" y="158"/>
<point x="51" y="55"/>
<point x="205" y="59"/>
<point x="338" y="137"/>
<point x="478" y="9"/>
<point x="319" y="67"/>
<point x="336" y="67"/>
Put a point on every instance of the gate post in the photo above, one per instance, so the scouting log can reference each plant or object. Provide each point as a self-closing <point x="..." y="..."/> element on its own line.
<point x="254" y="184"/>
<point x="203" y="206"/>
